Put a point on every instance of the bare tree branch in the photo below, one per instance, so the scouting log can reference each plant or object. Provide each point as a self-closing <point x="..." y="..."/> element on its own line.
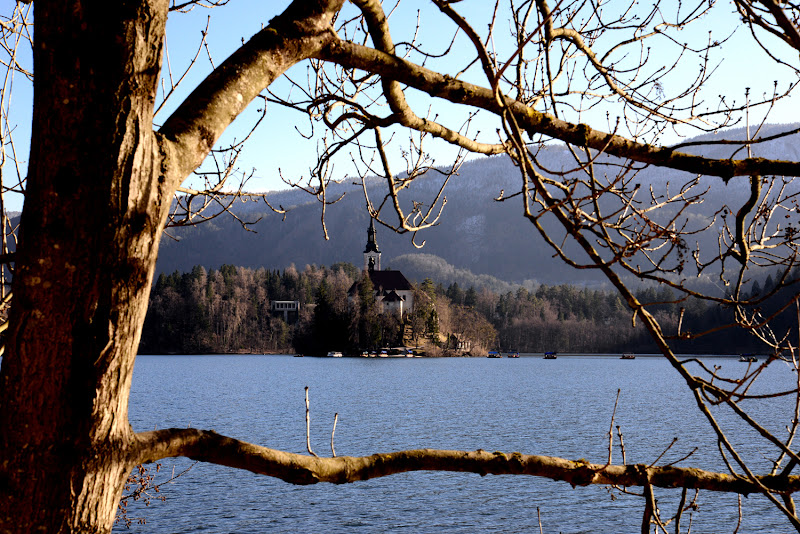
<point x="208" y="446"/>
<point x="199" y="121"/>
<point x="535" y="122"/>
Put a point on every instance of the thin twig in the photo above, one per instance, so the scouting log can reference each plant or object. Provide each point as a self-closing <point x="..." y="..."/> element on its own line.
<point x="611" y="429"/>
<point x="674" y="440"/>
<point x="679" y="460"/>
<point x="739" y="521"/>
<point x="308" y="427"/>
<point x="679" y="513"/>
<point x="648" y="508"/>
<point x="333" y="431"/>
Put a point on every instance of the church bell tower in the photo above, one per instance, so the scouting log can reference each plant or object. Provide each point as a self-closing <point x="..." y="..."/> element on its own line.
<point x="372" y="256"/>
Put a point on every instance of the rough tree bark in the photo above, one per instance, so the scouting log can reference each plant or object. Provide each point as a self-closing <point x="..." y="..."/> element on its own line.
<point x="97" y="199"/>
<point x="99" y="187"/>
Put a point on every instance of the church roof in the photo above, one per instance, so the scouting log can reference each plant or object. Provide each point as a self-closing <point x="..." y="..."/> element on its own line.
<point x="385" y="282"/>
<point x="392" y="296"/>
<point x="389" y="280"/>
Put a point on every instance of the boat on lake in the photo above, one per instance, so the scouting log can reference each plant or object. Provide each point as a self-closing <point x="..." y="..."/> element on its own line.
<point x="494" y="354"/>
<point x="335" y="354"/>
<point x="748" y="358"/>
<point x="627" y="356"/>
<point x="552" y="355"/>
<point x="513" y="354"/>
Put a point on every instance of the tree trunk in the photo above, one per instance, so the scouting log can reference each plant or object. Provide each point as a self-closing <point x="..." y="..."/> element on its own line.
<point x="100" y="184"/>
<point x="94" y="210"/>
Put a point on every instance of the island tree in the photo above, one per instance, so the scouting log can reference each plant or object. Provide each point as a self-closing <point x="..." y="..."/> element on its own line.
<point x="101" y="179"/>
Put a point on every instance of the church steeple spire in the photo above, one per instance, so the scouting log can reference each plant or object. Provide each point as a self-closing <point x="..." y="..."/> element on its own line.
<point x="372" y="245"/>
<point x="372" y="256"/>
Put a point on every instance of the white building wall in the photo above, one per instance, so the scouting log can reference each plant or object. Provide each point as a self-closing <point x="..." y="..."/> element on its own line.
<point x="408" y="300"/>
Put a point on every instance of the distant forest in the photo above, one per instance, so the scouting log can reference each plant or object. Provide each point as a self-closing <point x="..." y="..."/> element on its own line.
<point x="228" y="311"/>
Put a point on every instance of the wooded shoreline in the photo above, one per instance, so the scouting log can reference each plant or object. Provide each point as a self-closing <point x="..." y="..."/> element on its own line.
<point x="227" y="311"/>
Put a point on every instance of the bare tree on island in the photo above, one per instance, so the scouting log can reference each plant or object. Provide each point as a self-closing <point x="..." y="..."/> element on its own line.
<point x="101" y="180"/>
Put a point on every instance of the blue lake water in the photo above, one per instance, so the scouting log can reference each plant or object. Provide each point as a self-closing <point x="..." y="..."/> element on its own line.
<point x="553" y="407"/>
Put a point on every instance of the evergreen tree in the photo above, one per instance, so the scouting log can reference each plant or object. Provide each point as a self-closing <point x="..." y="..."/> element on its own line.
<point x="368" y="325"/>
<point x="455" y="293"/>
<point x="471" y="297"/>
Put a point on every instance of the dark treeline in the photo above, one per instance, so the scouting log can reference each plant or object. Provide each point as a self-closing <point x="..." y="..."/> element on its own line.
<point x="566" y="318"/>
<point x="228" y="310"/>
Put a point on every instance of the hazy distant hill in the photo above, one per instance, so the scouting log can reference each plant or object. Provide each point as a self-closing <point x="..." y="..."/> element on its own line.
<point x="477" y="235"/>
<point x="417" y="267"/>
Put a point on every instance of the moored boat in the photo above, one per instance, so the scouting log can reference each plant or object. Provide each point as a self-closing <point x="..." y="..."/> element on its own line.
<point x="748" y="358"/>
<point x="627" y="356"/>
<point x="494" y="354"/>
<point x="551" y="355"/>
<point x="513" y="354"/>
<point x="334" y="354"/>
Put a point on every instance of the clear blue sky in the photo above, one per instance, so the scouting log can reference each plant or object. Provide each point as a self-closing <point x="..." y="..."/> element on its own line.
<point x="277" y="145"/>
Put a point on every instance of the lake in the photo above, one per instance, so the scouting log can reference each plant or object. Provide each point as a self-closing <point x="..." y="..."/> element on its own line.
<point x="557" y="407"/>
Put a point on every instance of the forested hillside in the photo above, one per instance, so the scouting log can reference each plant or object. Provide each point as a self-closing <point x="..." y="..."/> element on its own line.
<point x="228" y="310"/>
<point x="476" y="233"/>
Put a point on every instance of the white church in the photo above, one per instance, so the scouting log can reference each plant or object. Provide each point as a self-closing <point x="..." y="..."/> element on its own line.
<point x="393" y="292"/>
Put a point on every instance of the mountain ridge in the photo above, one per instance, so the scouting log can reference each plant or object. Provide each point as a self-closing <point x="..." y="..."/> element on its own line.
<point x="476" y="233"/>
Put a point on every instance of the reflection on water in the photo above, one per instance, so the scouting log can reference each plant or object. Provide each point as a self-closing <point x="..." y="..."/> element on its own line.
<point x="554" y="407"/>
